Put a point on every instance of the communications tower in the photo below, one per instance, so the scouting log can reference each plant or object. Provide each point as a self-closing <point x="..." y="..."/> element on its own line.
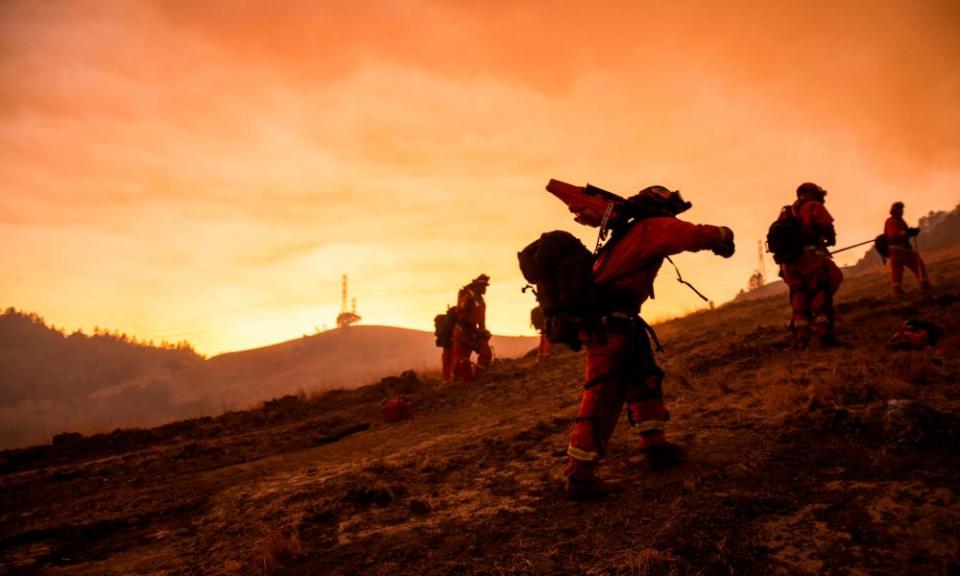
<point x="347" y="317"/>
<point x="759" y="276"/>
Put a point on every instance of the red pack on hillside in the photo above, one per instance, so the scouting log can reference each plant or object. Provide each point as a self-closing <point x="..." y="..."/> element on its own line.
<point x="396" y="409"/>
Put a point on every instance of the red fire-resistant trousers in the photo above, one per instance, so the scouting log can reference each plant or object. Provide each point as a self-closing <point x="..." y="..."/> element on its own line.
<point x="544" y="349"/>
<point x="464" y="344"/>
<point x="446" y="362"/>
<point x="900" y="259"/>
<point x="620" y="370"/>
<point x="813" y="280"/>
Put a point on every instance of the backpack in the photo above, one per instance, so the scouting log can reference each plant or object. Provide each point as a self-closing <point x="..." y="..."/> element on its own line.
<point x="785" y="237"/>
<point x="915" y="334"/>
<point x="443" y="327"/>
<point x="536" y="318"/>
<point x="561" y="269"/>
<point x="882" y="246"/>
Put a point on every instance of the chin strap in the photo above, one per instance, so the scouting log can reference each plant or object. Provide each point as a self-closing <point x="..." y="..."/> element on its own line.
<point x="682" y="281"/>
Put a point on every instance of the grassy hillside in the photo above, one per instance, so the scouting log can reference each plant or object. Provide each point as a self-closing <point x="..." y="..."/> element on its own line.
<point x="828" y="461"/>
<point x="47" y="378"/>
<point x="342" y="358"/>
<point x="39" y="362"/>
<point x="51" y="382"/>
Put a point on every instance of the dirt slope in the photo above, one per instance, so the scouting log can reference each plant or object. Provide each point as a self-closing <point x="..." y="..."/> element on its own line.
<point x="835" y="461"/>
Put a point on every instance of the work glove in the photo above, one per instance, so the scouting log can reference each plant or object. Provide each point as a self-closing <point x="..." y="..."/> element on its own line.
<point x="725" y="248"/>
<point x="830" y="236"/>
<point x="911" y="232"/>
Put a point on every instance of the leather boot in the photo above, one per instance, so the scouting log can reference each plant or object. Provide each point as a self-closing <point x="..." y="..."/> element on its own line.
<point x="663" y="456"/>
<point x="584" y="489"/>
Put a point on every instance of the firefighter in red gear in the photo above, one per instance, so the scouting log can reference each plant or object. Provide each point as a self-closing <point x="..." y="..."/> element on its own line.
<point x="538" y="322"/>
<point x="901" y="253"/>
<point x="470" y="333"/>
<point x="620" y="364"/>
<point x="814" y="278"/>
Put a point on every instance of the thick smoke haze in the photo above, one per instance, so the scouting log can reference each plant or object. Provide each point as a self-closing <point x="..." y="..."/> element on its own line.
<point x="208" y="170"/>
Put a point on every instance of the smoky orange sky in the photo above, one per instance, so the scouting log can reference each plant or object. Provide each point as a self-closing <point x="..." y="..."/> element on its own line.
<point x="207" y="170"/>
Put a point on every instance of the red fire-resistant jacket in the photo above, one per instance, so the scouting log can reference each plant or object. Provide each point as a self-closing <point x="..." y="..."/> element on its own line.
<point x="897" y="233"/>
<point x="471" y="309"/>
<point x="633" y="261"/>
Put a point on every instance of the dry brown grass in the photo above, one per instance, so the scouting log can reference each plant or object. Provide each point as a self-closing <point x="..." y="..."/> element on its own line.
<point x="644" y="562"/>
<point x="277" y="547"/>
<point x="853" y="380"/>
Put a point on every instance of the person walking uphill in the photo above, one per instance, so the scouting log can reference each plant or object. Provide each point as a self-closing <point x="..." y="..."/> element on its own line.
<point x="470" y="332"/>
<point x="620" y="366"/>
<point x="811" y="274"/>
<point x="901" y="253"/>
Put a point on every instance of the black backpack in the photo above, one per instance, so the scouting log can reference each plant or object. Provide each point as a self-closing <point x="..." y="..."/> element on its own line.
<point x="561" y="269"/>
<point x="536" y="318"/>
<point x="786" y="238"/>
<point x="882" y="247"/>
<point x="443" y="327"/>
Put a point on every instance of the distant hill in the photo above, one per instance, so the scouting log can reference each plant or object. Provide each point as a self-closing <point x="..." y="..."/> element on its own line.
<point x="341" y="358"/>
<point x="41" y="363"/>
<point x="769" y="289"/>
<point x="51" y="382"/>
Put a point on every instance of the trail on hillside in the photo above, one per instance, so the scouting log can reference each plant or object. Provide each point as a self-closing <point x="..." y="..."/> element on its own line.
<point x="839" y="460"/>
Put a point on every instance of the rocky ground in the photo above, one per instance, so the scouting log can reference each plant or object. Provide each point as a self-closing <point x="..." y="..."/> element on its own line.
<point x="826" y="461"/>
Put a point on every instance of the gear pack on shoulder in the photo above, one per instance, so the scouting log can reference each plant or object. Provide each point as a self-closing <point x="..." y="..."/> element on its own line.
<point x="443" y="325"/>
<point x="561" y="269"/>
<point x="786" y="237"/>
<point x="882" y="245"/>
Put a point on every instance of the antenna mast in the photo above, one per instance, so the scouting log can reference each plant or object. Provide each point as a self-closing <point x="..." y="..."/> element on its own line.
<point x="759" y="276"/>
<point x="763" y="268"/>
<point x="346" y="317"/>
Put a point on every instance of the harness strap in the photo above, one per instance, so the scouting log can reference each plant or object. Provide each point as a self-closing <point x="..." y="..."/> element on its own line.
<point x="634" y="320"/>
<point x="682" y="281"/>
<point x="651" y="332"/>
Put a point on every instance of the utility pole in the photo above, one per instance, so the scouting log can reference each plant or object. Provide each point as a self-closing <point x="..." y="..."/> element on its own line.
<point x="763" y="268"/>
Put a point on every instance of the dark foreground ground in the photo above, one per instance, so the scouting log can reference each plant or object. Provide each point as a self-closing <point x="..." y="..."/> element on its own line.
<point x="830" y="461"/>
